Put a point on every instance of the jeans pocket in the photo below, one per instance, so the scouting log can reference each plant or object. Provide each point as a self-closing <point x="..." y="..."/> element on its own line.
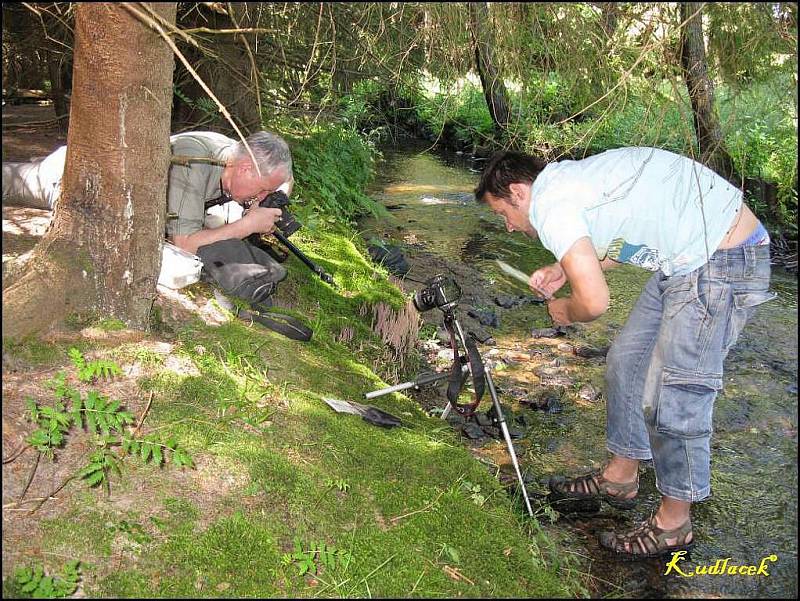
<point x="686" y="402"/>
<point x="744" y="304"/>
<point x="680" y="293"/>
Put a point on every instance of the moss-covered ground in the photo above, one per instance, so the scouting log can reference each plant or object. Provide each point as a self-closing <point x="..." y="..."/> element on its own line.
<point x="274" y="466"/>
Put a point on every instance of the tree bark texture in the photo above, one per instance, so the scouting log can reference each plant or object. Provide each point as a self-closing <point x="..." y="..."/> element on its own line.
<point x="102" y="252"/>
<point x="701" y="92"/>
<point x="494" y="90"/>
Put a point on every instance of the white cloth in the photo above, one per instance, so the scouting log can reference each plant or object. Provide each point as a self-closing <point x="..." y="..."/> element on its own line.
<point x="35" y="184"/>
<point x="638" y="205"/>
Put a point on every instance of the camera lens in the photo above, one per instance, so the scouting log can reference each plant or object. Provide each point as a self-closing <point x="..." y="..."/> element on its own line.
<point x="424" y="300"/>
<point x="439" y="291"/>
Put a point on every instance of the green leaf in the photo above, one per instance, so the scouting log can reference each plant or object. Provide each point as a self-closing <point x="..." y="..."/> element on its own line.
<point x="63" y="420"/>
<point x="56" y="438"/>
<point x="91" y="423"/>
<point x="147" y="449"/>
<point x="181" y="458"/>
<point x="90" y="469"/>
<point x="77" y="357"/>
<point x="33" y="409"/>
<point x="38" y="438"/>
<point x="77" y="416"/>
<point x="452" y="554"/>
<point x="114" y="465"/>
<point x="45" y="588"/>
<point x="102" y="420"/>
<point x="95" y="478"/>
<point x="72" y="567"/>
<point x="157" y="456"/>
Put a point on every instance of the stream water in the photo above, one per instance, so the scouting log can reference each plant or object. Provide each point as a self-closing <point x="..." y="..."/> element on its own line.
<point x="553" y="395"/>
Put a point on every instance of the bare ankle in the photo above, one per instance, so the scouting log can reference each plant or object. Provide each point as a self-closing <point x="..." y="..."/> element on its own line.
<point x="672" y="514"/>
<point x="622" y="470"/>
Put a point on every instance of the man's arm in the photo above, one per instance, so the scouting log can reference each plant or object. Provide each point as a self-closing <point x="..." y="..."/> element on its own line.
<point x="202" y="237"/>
<point x="256" y="220"/>
<point x="590" y="296"/>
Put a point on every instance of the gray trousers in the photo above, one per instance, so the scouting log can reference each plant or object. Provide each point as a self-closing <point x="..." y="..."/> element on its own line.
<point x="37" y="184"/>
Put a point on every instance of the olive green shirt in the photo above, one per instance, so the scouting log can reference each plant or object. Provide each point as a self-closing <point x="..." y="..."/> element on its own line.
<point x="191" y="185"/>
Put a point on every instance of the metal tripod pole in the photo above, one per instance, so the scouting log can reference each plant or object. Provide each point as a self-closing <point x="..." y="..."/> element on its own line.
<point x="421" y="381"/>
<point x="504" y="428"/>
<point x="502" y="420"/>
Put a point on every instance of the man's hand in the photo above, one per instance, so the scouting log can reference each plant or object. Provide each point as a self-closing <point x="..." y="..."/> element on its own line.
<point x="589" y="299"/>
<point x="260" y="220"/>
<point x="547" y="280"/>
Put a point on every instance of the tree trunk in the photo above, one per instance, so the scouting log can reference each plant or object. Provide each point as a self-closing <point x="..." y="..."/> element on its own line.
<point x="494" y="90"/>
<point x="701" y="92"/>
<point x="101" y="253"/>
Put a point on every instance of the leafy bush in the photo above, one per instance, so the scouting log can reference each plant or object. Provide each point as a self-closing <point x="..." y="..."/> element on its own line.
<point x="332" y="167"/>
<point x="462" y="118"/>
<point x="762" y="140"/>
<point x="34" y="583"/>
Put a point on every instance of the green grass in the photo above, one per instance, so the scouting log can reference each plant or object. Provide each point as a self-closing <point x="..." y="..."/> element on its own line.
<point x="283" y="494"/>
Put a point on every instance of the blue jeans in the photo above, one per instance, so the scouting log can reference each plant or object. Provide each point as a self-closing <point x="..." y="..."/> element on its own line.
<point x="665" y="368"/>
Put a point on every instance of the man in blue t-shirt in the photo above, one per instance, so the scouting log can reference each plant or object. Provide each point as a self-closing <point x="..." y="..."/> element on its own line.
<point x="671" y="215"/>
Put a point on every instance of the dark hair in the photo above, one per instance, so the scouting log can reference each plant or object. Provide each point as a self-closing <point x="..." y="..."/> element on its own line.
<point x="506" y="168"/>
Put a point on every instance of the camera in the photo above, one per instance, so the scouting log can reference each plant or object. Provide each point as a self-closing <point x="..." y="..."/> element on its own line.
<point x="287" y="224"/>
<point x="439" y="292"/>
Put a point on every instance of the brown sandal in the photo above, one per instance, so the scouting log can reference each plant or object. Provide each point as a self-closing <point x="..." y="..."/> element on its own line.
<point x="594" y="486"/>
<point x="648" y="540"/>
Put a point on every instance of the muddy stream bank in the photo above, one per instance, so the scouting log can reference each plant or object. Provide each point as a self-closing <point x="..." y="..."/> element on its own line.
<point x="550" y="383"/>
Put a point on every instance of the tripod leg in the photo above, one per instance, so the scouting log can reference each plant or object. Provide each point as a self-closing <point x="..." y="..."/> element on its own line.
<point x="421" y="381"/>
<point x="502" y="420"/>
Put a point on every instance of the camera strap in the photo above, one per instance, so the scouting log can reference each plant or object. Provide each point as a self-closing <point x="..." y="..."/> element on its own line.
<point x="457" y="375"/>
<point x="260" y="313"/>
<point x="277" y="322"/>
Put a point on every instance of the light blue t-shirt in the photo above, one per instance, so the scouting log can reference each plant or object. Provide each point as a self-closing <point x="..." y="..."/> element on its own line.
<point x="638" y="205"/>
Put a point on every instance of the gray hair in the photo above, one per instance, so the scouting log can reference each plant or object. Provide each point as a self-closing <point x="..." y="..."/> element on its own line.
<point x="270" y="151"/>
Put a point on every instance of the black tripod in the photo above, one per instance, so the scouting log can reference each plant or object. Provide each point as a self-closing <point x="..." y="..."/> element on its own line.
<point x="469" y="362"/>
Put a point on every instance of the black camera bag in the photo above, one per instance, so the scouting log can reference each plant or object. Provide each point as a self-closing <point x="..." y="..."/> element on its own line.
<point x="247" y="272"/>
<point x="241" y="269"/>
